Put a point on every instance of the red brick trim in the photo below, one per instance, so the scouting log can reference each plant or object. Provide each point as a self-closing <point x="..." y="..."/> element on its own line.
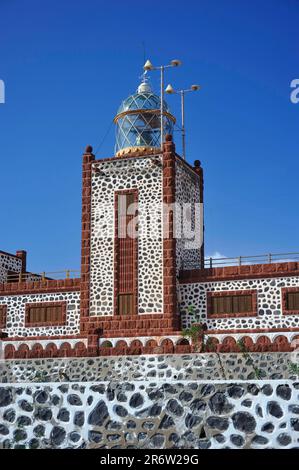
<point x="133" y="191"/>
<point x="126" y="157"/>
<point x="211" y="295"/>
<point x="3" y="316"/>
<point x="284" y="294"/>
<point x="39" y="287"/>
<point x="46" y="323"/>
<point x="169" y="241"/>
<point x="251" y="330"/>
<point x="43" y="337"/>
<point x="22" y="254"/>
<point x="88" y="159"/>
<point x="199" y="171"/>
<point x="230" y="273"/>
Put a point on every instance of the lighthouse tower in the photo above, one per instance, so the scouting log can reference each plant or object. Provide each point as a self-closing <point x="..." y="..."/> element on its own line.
<point x="132" y="248"/>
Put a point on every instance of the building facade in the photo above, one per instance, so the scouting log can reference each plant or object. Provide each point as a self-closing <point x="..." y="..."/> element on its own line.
<point x="143" y="278"/>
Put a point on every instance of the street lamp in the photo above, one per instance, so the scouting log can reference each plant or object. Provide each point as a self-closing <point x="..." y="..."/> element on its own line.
<point x="148" y="66"/>
<point x="171" y="91"/>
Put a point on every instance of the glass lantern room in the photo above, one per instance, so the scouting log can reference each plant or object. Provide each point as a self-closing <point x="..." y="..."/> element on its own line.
<point x="138" y="121"/>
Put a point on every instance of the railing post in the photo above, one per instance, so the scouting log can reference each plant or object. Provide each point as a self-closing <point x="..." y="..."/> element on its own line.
<point x="211" y="262"/>
<point x="20" y="277"/>
<point x="240" y="260"/>
<point x="68" y="274"/>
<point x="270" y="258"/>
<point x="43" y="276"/>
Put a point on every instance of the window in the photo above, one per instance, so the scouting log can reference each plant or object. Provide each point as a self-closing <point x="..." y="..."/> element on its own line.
<point x="223" y="304"/>
<point x="126" y="253"/>
<point x="47" y="313"/>
<point x="290" y="300"/>
<point x="293" y="300"/>
<point x="2" y="316"/>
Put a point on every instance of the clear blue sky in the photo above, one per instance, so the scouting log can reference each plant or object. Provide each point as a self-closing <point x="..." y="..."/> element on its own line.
<point x="68" y="64"/>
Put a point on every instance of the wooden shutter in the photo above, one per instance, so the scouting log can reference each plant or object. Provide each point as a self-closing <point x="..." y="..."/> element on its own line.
<point x="293" y="300"/>
<point x="45" y="314"/>
<point x="126" y="256"/>
<point x="2" y="316"/>
<point x="231" y="304"/>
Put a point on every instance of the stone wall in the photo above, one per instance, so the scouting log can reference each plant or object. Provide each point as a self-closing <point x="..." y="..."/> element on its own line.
<point x="15" y="316"/>
<point x="145" y="175"/>
<point x="145" y="414"/>
<point x="151" y="367"/>
<point x="9" y="263"/>
<point x="269" y="313"/>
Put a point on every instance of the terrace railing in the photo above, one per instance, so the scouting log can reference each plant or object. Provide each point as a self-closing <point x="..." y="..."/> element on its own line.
<point x="35" y="277"/>
<point x="211" y="262"/>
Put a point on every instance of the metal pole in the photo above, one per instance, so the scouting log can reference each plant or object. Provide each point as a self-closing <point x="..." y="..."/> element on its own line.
<point x="183" y="124"/>
<point x="161" y="108"/>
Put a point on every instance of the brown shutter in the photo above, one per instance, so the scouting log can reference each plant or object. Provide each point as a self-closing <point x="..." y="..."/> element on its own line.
<point x="126" y="249"/>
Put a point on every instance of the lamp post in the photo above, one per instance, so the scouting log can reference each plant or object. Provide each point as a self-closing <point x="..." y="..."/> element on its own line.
<point x="149" y="66"/>
<point x="171" y="91"/>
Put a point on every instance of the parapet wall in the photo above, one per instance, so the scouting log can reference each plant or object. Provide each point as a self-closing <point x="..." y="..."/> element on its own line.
<point x="155" y="414"/>
<point x="233" y="366"/>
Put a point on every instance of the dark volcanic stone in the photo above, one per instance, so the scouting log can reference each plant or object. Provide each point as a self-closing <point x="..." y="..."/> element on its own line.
<point x="41" y="396"/>
<point x="155" y="410"/>
<point x="5" y="397"/>
<point x="174" y="438"/>
<point x="295" y="424"/>
<point x="192" y="420"/>
<point x="207" y="390"/>
<point x="136" y="400"/>
<point x="157" y="441"/>
<point x="57" y="435"/>
<point x="25" y="406"/>
<point x="44" y="414"/>
<point x="253" y="389"/>
<point x="9" y="415"/>
<point x="74" y="400"/>
<point x="267" y="389"/>
<point x="19" y="435"/>
<point x="98" y="388"/>
<point x="75" y="437"/>
<point x="174" y="407"/>
<point x="94" y="436"/>
<point x="99" y="414"/>
<point x="294" y="409"/>
<point x="284" y="439"/>
<point x="274" y="409"/>
<point x="204" y="443"/>
<point x="219" y="438"/>
<point x="261" y="440"/>
<point x="33" y="444"/>
<point x="120" y="411"/>
<point x="247" y="403"/>
<point x="198" y="405"/>
<point x="219" y="403"/>
<point x="216" y="422"/>
<point x="23" y="421"/>
<point x="235" y="391"/>
<point x="237" y="440"/>
<point x="39" y="430"/>
<point x="244" y="421"/>
<point x="166" y="422"/>
<point x="79" y="418"/>
<point x="131" y="424"/>
<point x="268" y="427"/>
<point x="185" y="396"/>
<point x="63" y="415"/>
<point x="284" y="392"/>
<point x="4" y="430"/>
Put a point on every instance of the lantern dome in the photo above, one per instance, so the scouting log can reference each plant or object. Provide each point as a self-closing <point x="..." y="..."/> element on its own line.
<point x="138" y="122"/>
